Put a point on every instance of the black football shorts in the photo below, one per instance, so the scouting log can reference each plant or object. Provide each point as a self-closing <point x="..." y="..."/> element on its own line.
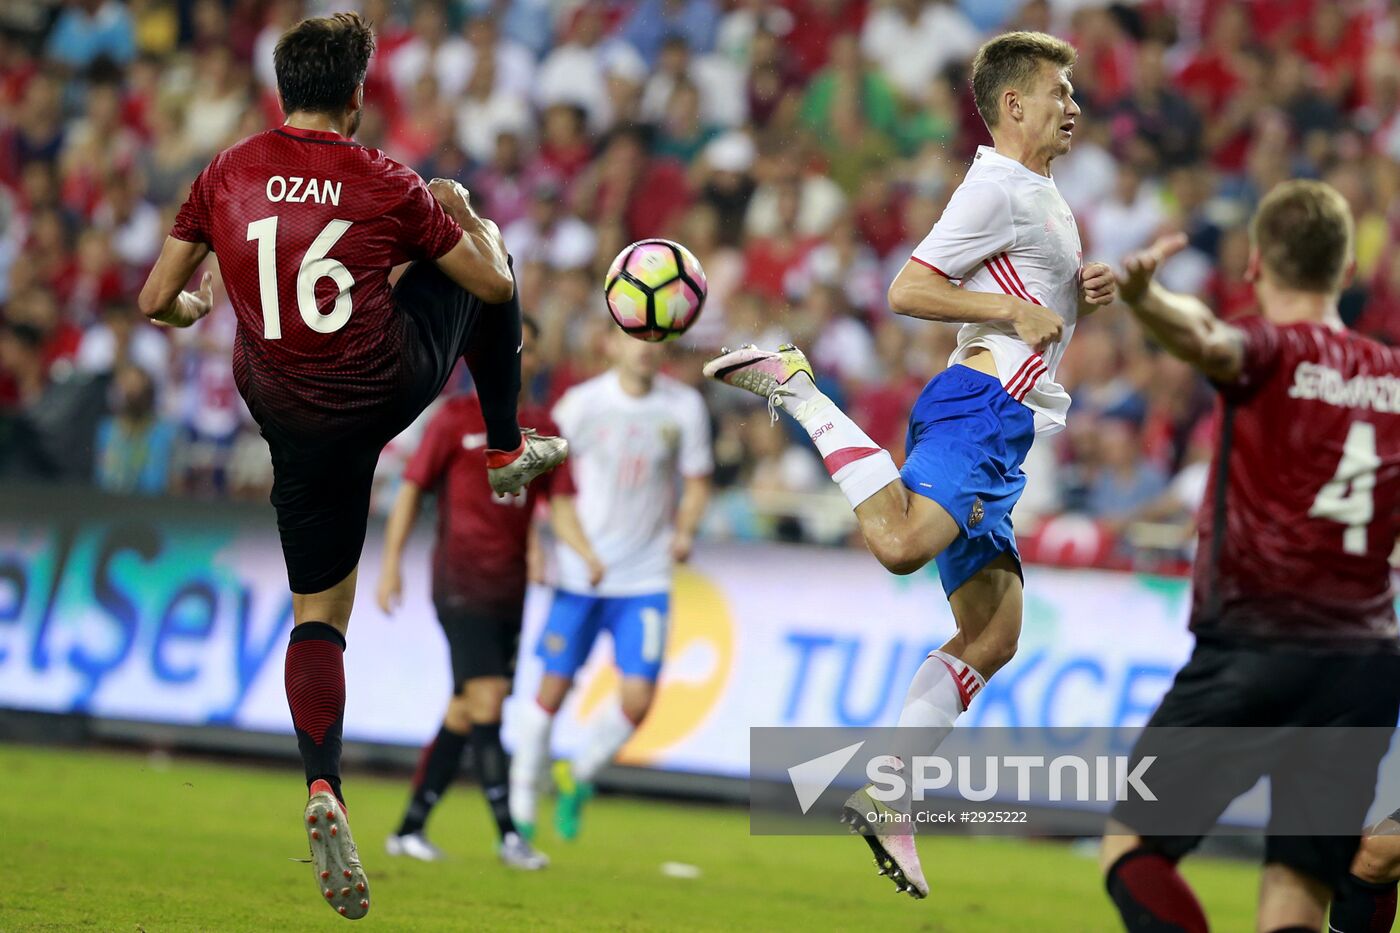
<point x="321" y="485"/>
<point x="483" y="642"/>
<point x="1317" y="723"/>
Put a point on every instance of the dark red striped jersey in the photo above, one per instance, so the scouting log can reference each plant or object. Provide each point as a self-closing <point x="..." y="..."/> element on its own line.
<point x="482" y="538"/>
<point x="307" y="226"/>
<point x="1300" y="518"/>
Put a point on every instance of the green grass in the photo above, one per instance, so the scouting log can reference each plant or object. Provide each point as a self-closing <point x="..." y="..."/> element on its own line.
<point x="124" y="842"/>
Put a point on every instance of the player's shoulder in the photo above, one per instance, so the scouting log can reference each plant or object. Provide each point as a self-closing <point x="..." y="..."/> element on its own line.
<point x="249" y="149"/>
<point x="1323" y="343"/>
<point x="983" y="197"/>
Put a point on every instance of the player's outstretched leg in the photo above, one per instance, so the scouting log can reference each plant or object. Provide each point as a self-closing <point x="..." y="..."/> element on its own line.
<point x="514" y="456"/>
<point x="904" y="532"/>
<point x="437" y="767"/>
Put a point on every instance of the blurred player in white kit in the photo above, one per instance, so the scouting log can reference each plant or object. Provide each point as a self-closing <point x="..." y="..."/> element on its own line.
<point x="634" y="434"/>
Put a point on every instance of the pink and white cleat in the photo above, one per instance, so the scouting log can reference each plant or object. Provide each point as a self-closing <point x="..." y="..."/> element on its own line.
<point x="769" y="374"/>
<point x="340" y="879"/>
<point x="890" y="836"/>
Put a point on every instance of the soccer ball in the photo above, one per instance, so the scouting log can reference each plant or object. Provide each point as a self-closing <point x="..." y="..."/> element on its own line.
<point x="655" y="290"/>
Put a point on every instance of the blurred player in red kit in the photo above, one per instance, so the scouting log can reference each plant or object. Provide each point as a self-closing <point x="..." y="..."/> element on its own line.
<point x="480" y="568"/>
<point x="333" y="361"/>
<point x="1293" y="606"/>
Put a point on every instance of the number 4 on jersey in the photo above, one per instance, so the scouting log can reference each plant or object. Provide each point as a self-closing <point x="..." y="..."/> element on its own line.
<point x="1348" y="497"/>
<point x="315" y="265"/>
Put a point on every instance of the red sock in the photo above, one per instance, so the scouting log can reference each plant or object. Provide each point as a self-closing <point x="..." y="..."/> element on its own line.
<point x="1152" y="897"/>
<point x="315" y="680"/>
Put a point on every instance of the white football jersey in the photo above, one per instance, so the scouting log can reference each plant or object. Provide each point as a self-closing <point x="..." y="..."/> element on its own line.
<point x="627" y="455"/>
<point x="1006" y="229"/>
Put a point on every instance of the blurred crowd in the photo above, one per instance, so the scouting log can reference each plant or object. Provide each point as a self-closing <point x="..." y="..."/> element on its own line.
<point x="799" y="147"/>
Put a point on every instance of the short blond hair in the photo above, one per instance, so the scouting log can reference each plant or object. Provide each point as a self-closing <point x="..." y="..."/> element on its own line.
<point x="1303" y="231"/>
<point x="1013" y="60"/>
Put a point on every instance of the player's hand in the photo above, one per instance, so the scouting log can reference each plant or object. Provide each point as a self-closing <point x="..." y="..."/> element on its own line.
<point x="390" y="592"/>
<point x="1037" y="326"/>
<point x="189" y="307"/>
<point x="597" y="570"/>
<point x="1098" y="284"/>
<point x="454" y="198"/>
<point x="681" y="546"/>
<point x="1140" y="267"/>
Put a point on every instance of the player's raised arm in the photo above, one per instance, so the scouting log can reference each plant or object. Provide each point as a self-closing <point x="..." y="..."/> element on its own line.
<point x="921" y="292"/>
<point x="976" y="226"/>
<point x="163" y="298"/>
<point x="478" y="262"/>
<point x="1181" y="323"/>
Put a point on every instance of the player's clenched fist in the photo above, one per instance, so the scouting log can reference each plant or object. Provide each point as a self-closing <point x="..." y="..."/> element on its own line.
<point x="450" y="194"/>
<point x="1036" y="325"/>
<point x="1097" y="284"/>
<point x="1139" y="267"/>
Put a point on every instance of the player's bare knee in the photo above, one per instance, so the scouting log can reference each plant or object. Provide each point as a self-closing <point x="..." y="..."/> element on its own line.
<point x="484" y="698"/>
<point x="897" y="552"/>
<point x="995" y="649"/>
<point x="458" y="718"/>
<point x="1378" y="859"/>
<point x="553" y="689"/>
<point x="636" y="709"/>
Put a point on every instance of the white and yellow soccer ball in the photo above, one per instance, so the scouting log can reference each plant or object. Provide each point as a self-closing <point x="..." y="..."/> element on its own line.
<point x="655" y="290"/>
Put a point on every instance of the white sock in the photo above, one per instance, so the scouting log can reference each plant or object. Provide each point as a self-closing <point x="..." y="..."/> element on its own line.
<point x="859" y="466"/>
<point x="609" y="733"/>
<point x="532" y="727"/>
<point x="942" y="688"/>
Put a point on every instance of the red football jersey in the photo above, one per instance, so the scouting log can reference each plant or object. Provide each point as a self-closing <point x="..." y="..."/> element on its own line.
<point x="479" y="557"/>
<point x="307" y="226"/>
<point x="1300" y="518"/>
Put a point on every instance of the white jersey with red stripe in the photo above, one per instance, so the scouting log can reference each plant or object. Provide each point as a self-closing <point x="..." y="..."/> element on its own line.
<point x="1007" y="229"/>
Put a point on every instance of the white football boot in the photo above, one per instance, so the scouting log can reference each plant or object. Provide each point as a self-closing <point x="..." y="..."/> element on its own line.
<point x="339" y="876"/>
<point x="415" y="846"/>
<point x="769" y="374"/>
<point x="517" y="853"/>
<point x="891" y="841"/>
<point x="508" y="471"/>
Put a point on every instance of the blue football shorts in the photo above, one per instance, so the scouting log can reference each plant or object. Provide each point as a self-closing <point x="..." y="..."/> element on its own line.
<point x="967" y="441"/>
<point x="638" y="626"/>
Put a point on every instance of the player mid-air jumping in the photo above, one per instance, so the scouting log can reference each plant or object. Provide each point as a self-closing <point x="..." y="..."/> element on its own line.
<point x="1005" y="260"/>
<point x="1293" y="607"/>
<point x="333" y="362"/>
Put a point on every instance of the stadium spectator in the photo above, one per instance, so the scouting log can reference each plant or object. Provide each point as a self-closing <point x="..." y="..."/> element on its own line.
<point x="87" y="30"/>
<point x="134" y="445"/>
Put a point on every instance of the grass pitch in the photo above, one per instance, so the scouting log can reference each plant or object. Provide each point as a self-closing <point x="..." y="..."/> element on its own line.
<point x="128" y="842"/>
